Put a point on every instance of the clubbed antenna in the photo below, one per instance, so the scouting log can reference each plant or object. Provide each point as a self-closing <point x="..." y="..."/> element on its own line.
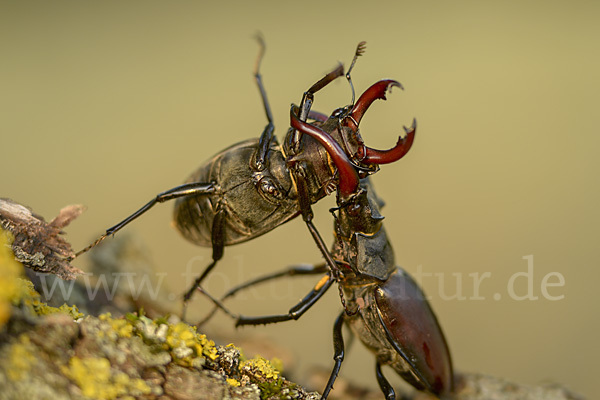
<point x="360" y="50"/>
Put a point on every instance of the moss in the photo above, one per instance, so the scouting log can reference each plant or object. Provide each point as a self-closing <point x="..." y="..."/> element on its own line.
<point x="96" y="379"/>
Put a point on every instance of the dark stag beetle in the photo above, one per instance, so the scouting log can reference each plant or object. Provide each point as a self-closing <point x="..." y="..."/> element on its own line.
<point x="382" y="304"/>
<point x="256" y="185"/>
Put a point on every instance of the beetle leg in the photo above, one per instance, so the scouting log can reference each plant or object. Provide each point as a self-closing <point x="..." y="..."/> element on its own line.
<point x="297" y="270"/>
<point x="188" y="189"/>
<point x="267" y="135"/>
<point x="307" y="214"/>
<point x="338" y="354"/>
<point x="295" y="312"/>
<point x="217" y="254"/>
<point x="385" y="386"/>
<point x="307" y="100"/>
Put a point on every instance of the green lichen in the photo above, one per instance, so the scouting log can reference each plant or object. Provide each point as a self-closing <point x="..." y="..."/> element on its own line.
<point x="96" y="379"/>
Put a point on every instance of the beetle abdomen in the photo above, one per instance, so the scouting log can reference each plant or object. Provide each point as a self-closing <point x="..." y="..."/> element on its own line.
<point x="252" y="202"/>
<point x="413" y="330"/>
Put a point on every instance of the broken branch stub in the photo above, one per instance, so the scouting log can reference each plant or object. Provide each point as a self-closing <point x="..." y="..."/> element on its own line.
<point x="37" y="244"/>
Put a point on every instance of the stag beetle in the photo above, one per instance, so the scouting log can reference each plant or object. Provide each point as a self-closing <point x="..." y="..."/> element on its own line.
<point x="382" y="304"/>
<point x="254" y="186"/>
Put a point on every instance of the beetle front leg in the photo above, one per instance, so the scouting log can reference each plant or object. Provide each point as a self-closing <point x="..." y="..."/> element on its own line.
<point x="307" y="216"/>
<point x="267" y="135"/>
<point x="307" y="100"/>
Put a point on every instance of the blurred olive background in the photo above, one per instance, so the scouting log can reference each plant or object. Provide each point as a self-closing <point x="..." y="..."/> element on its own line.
<point x="108" y="103"/>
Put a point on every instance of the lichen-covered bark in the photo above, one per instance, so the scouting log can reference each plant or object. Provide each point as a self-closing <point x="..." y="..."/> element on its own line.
<point x="52" y="352"/>
<point x="57" y="353"/>
<point x="55" y="356"/>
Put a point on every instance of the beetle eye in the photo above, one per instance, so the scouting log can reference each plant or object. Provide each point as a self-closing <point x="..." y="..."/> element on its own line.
<point x="269" y="190"/>
<point x="340" y="111"/>
<point x="337" y="112"/>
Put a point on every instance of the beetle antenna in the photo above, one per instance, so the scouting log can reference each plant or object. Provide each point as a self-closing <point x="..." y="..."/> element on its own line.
<point x="360" y="50"/>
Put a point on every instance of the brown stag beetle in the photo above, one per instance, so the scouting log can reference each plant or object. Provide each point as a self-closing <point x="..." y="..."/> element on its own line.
<point x="382" y="304"/>
<point x="254" y="186"/>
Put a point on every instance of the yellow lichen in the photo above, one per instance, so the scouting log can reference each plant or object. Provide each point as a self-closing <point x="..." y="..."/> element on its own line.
<point x="105" y="317"/>
<point x="122" y="326"/>
<point x="258" y="367"/>
<point x="97" y="380"/>
<point x="44" y="309"/>
<point x="182" y="336"/>
<point x="20" y="359"/>
<point x="277" y="364"/>
<point x="15" y="290"/>
<point x="233" y="382"/>
<point x="10" y="271"/>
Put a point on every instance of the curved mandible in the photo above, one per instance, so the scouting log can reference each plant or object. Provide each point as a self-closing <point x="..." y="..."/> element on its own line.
<point x="347" y="174"/>
<point x="402" y="147"/>
<point x="373" y="156"/>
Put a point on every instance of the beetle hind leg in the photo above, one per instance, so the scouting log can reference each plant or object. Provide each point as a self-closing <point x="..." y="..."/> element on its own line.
<point x="338" y="353"/>
<point x="385" y="386"/>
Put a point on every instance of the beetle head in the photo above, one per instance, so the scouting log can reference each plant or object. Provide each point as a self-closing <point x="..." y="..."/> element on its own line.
<point x="340" y="136"/>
